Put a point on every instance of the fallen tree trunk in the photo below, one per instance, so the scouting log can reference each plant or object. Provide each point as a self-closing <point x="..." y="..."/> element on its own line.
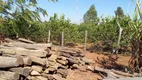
<point x="23" y="52"/>
<point x="22" y="71"/>
<point x="6" y="75"/>
<point x="6" y="62"/>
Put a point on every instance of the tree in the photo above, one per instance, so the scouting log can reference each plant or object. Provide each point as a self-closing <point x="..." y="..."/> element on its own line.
<point x="135" y="62"/>
<point x="90" y="15"/>
<point x="119" y="12"/>
<point x="20" y="15"/>
<point x="10" y="8"/>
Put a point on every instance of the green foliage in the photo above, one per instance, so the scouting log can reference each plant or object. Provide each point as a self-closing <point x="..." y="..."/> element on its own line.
<point x="25" y="22"/>
<point x="90" y="15"/>
<point x="135" y="29"/>
<point x="135" y="24"/>
<point x="18" y="17"/>
<point x="59" y="25"/>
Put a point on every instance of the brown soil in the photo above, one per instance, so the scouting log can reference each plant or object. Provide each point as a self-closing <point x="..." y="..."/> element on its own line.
<point x="88" y="75"/>
<point x="79" y="75"/>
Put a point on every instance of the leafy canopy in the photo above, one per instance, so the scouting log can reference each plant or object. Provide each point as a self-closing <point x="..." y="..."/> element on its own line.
<point x="90" y="15"/>
<point x="119" y="12"/>
<point x="26" y="8"/>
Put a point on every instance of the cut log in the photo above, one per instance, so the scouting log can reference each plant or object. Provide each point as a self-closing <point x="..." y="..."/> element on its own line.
<point x="46" y="71"/>
<point x="9" y="40"/>
<point x="22" y="71"/>
<point x="6" y="75"/>
<point x="67" y="55"/>
<point x="131" y="78"/>
<point x="57" y="77"/>
<point x="72" y="61"/>
<point x="38" y="60"/>
<point x="72" y="52"/>
<point x="50" y="63"/>
<point x="123" y="73"/>
<point x="49" y="52"/>
<point x="35" y="73"/>
<point x="57" y="65"/>
<point x="51" y="69"/>
<point x="109" y="74"/>
<point x="29" y="68"/>
<point x="25" y="40"/>
<point x="37" y="68"/>
<point x="41" y="78"/>
<point x="63" y="62"/>
<point x="7" y="62"/>
<point x="23" y="52"/>
<point x="61" y="58"/>
<point x="27" y="61"/>
<point x="31" y="78"/>
<point x="53" y="57"/>
<point x="37" y="46"/>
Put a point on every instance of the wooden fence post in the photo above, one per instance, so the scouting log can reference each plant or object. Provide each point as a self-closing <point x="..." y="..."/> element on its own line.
<point x="85" y="42"/>
<point x="49" y="36"/>
<point x="62" y="39"/>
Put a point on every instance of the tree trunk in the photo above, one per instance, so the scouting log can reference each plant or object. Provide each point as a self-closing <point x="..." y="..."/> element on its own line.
<point x="135" y="62"/>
